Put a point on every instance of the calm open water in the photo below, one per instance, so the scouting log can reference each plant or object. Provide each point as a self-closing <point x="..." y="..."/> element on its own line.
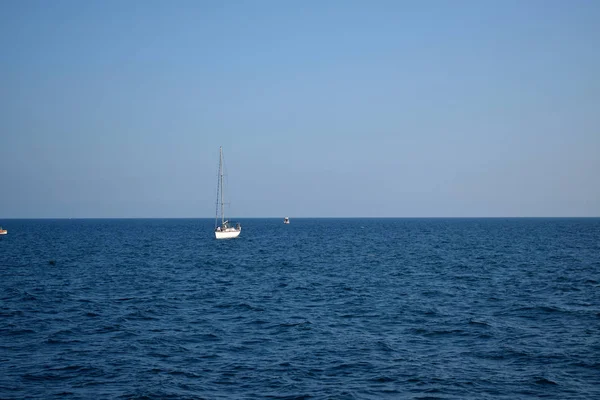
<point x="320" y="308"/>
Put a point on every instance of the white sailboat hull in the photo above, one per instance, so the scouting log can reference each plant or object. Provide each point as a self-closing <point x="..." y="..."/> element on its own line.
<point x="229" y="234"/>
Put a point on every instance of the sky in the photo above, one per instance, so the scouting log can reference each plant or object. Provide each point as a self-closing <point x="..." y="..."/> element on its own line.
<point x="324" y="108"/>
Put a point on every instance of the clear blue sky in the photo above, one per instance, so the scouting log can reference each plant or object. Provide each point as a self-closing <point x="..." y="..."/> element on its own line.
<point x="323" y="108"/>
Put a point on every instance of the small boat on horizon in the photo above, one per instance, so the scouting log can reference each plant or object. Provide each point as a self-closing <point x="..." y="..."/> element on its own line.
<point x="3" y="231"/>
<point x="226" y="230"/>
<point x="286" y="220"/>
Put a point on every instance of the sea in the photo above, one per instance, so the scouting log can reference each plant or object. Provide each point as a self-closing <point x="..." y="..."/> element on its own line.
<point x="320" y="308"/>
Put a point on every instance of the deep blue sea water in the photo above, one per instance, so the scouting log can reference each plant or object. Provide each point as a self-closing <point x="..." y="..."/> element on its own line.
<point x="320" y="308"/>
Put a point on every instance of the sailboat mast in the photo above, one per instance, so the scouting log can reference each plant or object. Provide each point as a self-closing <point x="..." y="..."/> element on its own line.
<point x="221" y="177"/>
<point x="218" y="190"/>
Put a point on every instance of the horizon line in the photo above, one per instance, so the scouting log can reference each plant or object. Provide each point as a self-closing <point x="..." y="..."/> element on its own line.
<point x="342" y="217"/>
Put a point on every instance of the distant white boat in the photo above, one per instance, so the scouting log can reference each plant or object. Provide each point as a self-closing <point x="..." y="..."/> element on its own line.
<point x="3" y="231"/>
<point x="226" y="230"/>
<point x="286" y="220"/>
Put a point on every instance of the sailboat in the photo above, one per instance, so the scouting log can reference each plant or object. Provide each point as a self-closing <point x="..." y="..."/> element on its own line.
<point x="226" y="230"/>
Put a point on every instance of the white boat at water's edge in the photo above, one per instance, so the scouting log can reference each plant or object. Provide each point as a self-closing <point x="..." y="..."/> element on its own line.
<point x="226" y="230"/>
<point x="286" y="220"/>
